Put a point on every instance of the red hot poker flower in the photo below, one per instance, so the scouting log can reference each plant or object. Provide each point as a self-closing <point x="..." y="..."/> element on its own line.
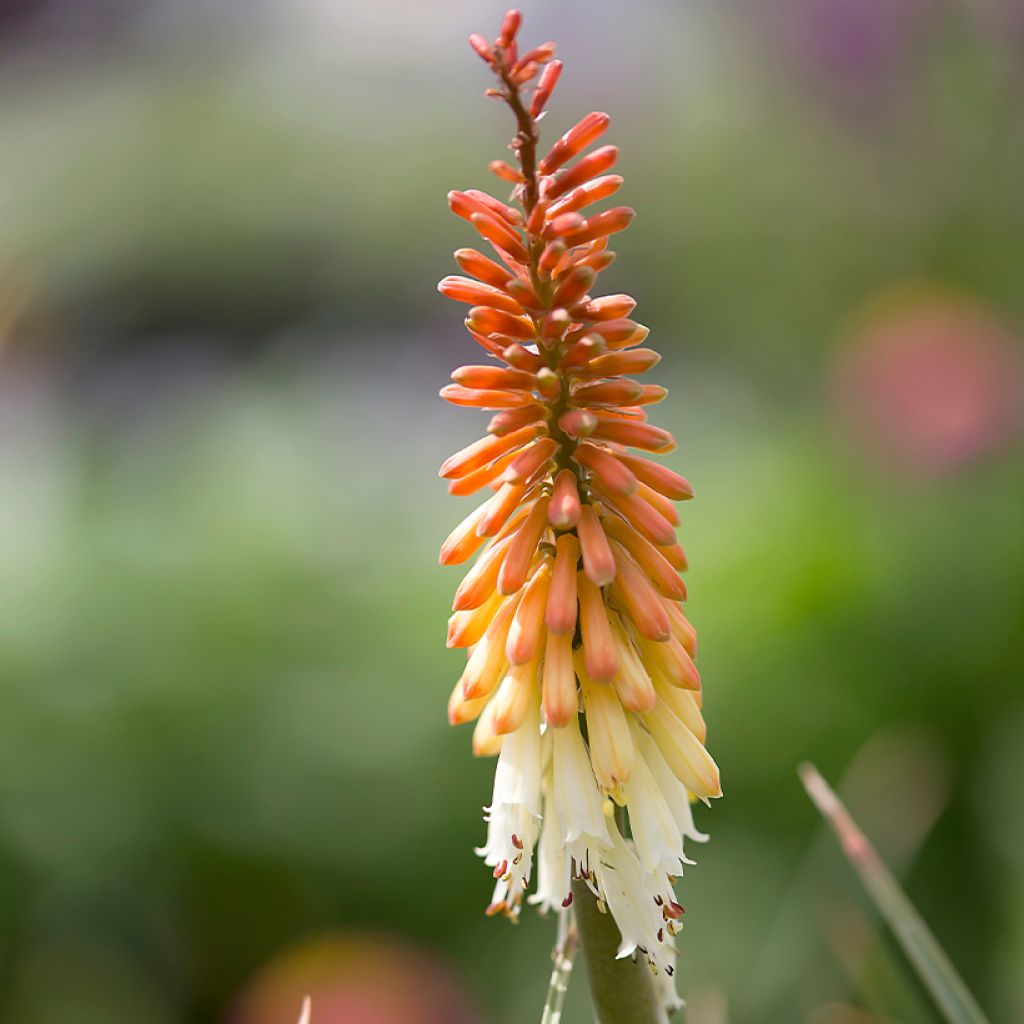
<point x="580" y="673"/>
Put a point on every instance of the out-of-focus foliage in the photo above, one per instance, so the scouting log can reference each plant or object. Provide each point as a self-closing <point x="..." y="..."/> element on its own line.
<point x="227" y="777"/>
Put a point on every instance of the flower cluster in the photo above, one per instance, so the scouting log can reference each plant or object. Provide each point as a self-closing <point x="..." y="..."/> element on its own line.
<point x="580" y="674"/>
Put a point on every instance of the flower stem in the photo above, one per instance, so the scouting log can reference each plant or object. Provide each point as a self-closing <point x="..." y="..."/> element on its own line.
<point x="562" y="957"/>
<point x="934" y="968"/>
<point x="622" y="990"/>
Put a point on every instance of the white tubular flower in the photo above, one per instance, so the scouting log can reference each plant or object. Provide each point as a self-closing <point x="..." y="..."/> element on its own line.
<point x="675" y="794"/>
<point x="514" y="814"/>
<point x="554" y="872"/>
<point x="577" y="802"/>
<point x="665" y="989"/>
<point x="656" y="834"/>
<point x="635" y="901"/>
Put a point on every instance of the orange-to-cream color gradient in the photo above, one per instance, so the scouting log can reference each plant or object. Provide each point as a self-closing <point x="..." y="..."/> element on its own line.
<point x="580" y="674"/>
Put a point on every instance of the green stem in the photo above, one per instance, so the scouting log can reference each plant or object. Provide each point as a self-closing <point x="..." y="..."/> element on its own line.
<point x="561" y="969"/>
<point x="623" y="991"/>
<point x="933" y="967"/>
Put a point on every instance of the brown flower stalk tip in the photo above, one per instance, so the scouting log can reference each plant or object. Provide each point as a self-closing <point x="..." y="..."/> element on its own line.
<point x="581" y="674"/>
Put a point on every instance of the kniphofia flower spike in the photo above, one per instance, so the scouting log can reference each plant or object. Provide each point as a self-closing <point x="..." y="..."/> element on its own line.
<point x="580" y="674"/>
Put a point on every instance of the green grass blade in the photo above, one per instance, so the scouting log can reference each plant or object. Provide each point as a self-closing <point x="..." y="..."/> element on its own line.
<point x="936" y="972"/>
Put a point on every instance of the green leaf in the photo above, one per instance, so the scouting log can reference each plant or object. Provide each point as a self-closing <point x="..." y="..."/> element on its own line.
<point x="933" y="967"/>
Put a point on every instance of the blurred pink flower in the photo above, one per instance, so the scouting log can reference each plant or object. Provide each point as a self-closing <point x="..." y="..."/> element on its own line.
<point x="857" y="54"/>
<point x="858" y="39"/>
<point x="929" y="380"/>
<point x="354" y="978"/>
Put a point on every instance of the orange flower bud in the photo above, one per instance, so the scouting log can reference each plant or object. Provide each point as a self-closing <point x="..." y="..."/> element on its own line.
<point x="538" y="55"/>
<point x="574" y="286"/>
<point x="574" y="141"/>
<point x="672" y="660"/>
<point x="610" y="392"/>
<point x="549" y="383"/>
<point x="607" y="307"/>
<point x="522" y="549"/>
<point x="634" y="435"/>
<point x="487" y="449"/>
<point x="648" y="522"/>
<point x="577" y="423"/>
<point x="522" y="358"/>
<point x="509" y="28"/>
<point x="494" y="321"/>
<point x="590" y="192"/>
<point x="482" y="47"/>
<point x="634" y="593"/>
<point x="463" y="541"/>
<point x="581" y="352"/>
<point x="487" y="661"/>
<point x="676" y="557"/>
<point x="531" y="459"/>
<point x="616" y="334"/>
<point x="562" y="225"/>
<point x="482" y="267"/>
<point x="472" y="398"/>
<point x="508" y="420"/>
<point x="564" y="510"/>
<point x="600" y="225"/>
<point x="549" y="258"/>
<point x="478" y="584"/>
<point x="472" y="482"/>
<point x="632" y="683"/>
<point x="505" y="171"/>
<point x="522" y="291"/>
<point x="560" y="615"/>
<point x="499" y="234"/>
<point x="476" y="293"/>
<point x="681" y="628"/>
<point x="555" y="324"/>
<point x="598" y="560"/>
<point x="493" y="347"/>
<point x="588" y="167"/>
<point x="492" y="377"/>
<point x="598" y="648"/>
<point x="466" y="628"/>
<point x="538" y="216"/>
<point x="527" y="630"/>
<point x="651" y="394"/>
<point x="649" y="558"/>
<point x="516" y="691"/>
<point x="597" y="261"/>
<point x="513" y="218"/>
<point x="659" y="503"/>
<point x="559" y="680"/>
<point x="505" y="501"/>
<point x="461" y="710"/>
<point x="612" y="473"/>
<point x="657" y="477"/>
<point x="545" y="86"/>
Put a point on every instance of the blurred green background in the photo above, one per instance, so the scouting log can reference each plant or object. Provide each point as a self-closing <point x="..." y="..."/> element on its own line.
<point x="226" y="777"/>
